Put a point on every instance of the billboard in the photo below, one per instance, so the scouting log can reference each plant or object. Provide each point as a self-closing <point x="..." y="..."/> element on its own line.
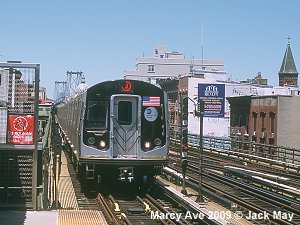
<point x="213" y="96"/>
<point x="20" y="129"/>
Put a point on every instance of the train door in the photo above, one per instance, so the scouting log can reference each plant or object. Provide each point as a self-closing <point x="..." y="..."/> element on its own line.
<point x="125" y="125"/>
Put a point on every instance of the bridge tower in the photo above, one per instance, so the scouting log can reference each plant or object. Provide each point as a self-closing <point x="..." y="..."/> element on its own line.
<point x="73" y="80"/>
<point x="60" y="90"/>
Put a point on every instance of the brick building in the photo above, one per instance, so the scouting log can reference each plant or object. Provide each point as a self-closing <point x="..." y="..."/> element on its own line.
<point x="271" y="119"/>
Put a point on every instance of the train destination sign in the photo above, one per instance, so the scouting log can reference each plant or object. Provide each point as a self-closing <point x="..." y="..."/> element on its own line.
<point x="213" y="96"/>
<point x="20" y="129"/>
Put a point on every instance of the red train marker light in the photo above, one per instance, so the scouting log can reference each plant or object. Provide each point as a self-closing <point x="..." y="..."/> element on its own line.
<point x="185" y="148"/>
<point x="184" y="151"/>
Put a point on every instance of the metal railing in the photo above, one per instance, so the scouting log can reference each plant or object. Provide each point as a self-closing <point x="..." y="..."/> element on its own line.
<point x="274" y="152"/>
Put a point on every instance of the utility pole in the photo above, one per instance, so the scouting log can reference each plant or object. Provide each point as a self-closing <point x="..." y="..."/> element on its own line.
<point x="184" y="138"/>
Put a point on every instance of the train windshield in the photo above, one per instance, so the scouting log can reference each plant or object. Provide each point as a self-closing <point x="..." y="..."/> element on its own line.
<point x="97" y="114"/>
<point x="125" y="112"/>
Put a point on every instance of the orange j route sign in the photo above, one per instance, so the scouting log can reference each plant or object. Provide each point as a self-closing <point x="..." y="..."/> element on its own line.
<point x="20" y="129"/>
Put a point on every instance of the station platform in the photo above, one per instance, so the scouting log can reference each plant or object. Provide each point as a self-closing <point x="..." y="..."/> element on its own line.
<point x="66" y="194"/>
<point x="9" y="217"/>
<point x="54" y="217"/>
<point x="68" y="212"/>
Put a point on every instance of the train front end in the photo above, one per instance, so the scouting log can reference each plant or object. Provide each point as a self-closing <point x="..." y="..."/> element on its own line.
<point x="124" y="132"/>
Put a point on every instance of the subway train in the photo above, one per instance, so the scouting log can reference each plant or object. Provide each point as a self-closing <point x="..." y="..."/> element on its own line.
<point x="116" y="130"/>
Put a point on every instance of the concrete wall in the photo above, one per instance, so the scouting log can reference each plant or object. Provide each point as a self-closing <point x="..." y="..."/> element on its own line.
<point x="288" y="121"/>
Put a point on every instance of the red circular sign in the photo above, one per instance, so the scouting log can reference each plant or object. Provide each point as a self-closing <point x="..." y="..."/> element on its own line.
<point x="127" y="86"/>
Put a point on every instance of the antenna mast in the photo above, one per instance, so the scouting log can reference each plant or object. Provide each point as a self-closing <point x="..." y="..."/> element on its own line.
<point x="202" y="45"/>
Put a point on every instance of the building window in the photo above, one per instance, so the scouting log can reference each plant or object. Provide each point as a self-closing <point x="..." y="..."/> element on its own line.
<point x="151" y="69"/>
<point x="262" y="141"/>
<point x="254" y="115"/>
<point x="0" y="79"/>
<point x="233" y="120"/>
<point x="240" y="120"/>
<point x="272" y="118"/>
<point x="246" y="123"/>
<point x="156" y="51"/>
<point x="263" y="118"/>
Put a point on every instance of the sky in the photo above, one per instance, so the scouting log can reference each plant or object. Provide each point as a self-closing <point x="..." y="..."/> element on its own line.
<point x="103" y="38"/>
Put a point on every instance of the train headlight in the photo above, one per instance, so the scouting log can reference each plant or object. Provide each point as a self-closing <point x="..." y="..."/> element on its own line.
<point x="157" y="142"/>
<point x="147" y="144"/>
<point x="102" y="144"/>
<point x="91" y="140"/>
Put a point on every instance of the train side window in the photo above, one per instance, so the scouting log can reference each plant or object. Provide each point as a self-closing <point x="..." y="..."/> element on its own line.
<point x="125" y="112"/>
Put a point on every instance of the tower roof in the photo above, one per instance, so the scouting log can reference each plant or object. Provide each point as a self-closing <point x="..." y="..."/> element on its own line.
<point x="82" y="87"/>
<point x="288" y="64"/>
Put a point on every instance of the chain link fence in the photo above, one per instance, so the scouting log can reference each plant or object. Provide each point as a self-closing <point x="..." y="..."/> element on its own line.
<point x="19" y="99"/>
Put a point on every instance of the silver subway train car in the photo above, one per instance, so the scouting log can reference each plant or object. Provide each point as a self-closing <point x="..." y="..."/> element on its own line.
<point x="116" y="130"/>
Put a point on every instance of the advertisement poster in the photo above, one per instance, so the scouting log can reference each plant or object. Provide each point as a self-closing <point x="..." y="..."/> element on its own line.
<point x="20" y="129"/>
<point x="213" y="96"/>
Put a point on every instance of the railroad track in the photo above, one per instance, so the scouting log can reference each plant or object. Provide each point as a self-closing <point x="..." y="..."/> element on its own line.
<point x="250" y="199"/>
<point x="125" y="207"/>
<point x="216" y="157"/>
<point x="285" y="182"/>
<point x="141" y="210"/>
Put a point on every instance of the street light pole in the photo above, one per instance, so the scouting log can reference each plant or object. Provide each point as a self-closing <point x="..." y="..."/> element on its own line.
<point x="200" y="147"/>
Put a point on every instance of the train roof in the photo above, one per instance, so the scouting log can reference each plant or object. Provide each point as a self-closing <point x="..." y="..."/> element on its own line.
<point x="120" y="86"/>
<point x="123" y="86"/>
<point x="138" y="82"/>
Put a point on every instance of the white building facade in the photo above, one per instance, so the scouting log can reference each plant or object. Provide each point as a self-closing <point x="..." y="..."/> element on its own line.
<point x="200" y="73"/>
<point x="164" y="65"/>
<point x="219" y="126"/>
